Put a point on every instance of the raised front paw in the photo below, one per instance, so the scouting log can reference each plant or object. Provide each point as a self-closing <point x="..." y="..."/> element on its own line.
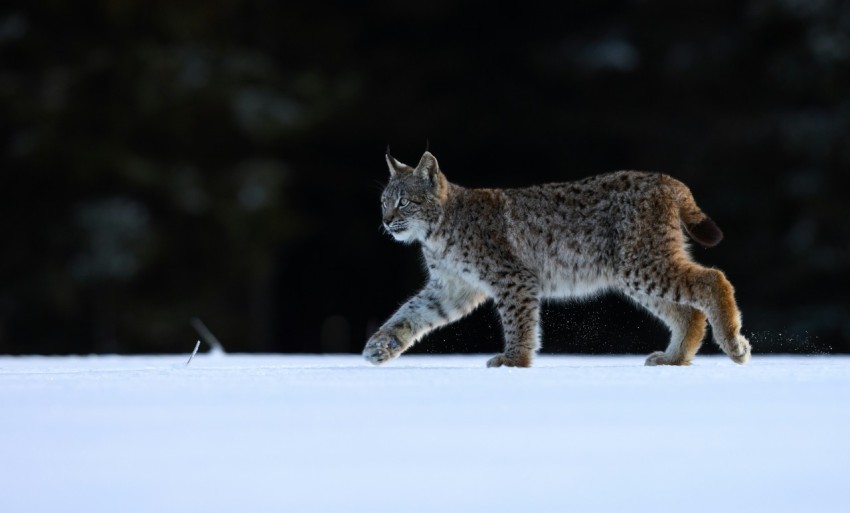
<point x="381" y="348"/>
<point x="509" y="361"/>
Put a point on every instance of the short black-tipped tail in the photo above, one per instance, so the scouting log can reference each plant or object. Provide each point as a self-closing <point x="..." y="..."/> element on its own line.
<point x="698" y="225"/>
<point x="705" y="232"/>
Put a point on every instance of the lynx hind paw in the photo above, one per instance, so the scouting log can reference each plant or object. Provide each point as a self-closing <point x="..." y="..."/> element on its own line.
<point x="740" y="350"/>
<point x="662" y="358"/>
<point x="382" y="348"/>
<point x="509" y="361"/>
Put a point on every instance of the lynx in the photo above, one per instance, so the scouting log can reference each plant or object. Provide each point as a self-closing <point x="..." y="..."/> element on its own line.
<point x="621" y="231"/>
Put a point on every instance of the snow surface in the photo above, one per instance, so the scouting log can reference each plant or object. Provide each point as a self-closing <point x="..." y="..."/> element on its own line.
<point x="271" y="433"/>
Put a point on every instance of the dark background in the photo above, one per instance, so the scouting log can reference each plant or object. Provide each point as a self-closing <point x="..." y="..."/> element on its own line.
<point x="224" y="159"/>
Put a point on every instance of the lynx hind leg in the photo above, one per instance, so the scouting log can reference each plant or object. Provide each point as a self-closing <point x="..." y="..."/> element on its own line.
<point x="709" y="291"/>
<point x="687" y="330"/>
<point x="712" y="293"/>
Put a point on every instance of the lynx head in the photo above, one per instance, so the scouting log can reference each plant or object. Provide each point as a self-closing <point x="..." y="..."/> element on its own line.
<point x="413" y="199"/>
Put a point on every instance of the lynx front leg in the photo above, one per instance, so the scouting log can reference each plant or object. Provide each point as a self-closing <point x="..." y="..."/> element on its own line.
<point x="437" y="304"/>
<point x="520" y="313"/>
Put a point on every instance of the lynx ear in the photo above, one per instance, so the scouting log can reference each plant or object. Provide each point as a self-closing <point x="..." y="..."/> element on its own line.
<point x="428" y="166"/>
<point x="394" y="165"/>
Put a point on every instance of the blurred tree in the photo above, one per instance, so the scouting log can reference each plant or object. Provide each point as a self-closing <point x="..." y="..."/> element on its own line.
<point x="223" y="159"/>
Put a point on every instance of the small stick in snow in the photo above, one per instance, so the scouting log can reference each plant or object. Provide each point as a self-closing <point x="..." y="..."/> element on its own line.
<point x="197" y="345"/>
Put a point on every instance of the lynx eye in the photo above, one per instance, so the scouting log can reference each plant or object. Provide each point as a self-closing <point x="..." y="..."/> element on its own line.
<point x="403" y="202"/>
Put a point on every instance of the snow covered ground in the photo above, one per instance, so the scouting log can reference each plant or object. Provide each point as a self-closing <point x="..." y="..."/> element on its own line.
<point x="271" y="433"/>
